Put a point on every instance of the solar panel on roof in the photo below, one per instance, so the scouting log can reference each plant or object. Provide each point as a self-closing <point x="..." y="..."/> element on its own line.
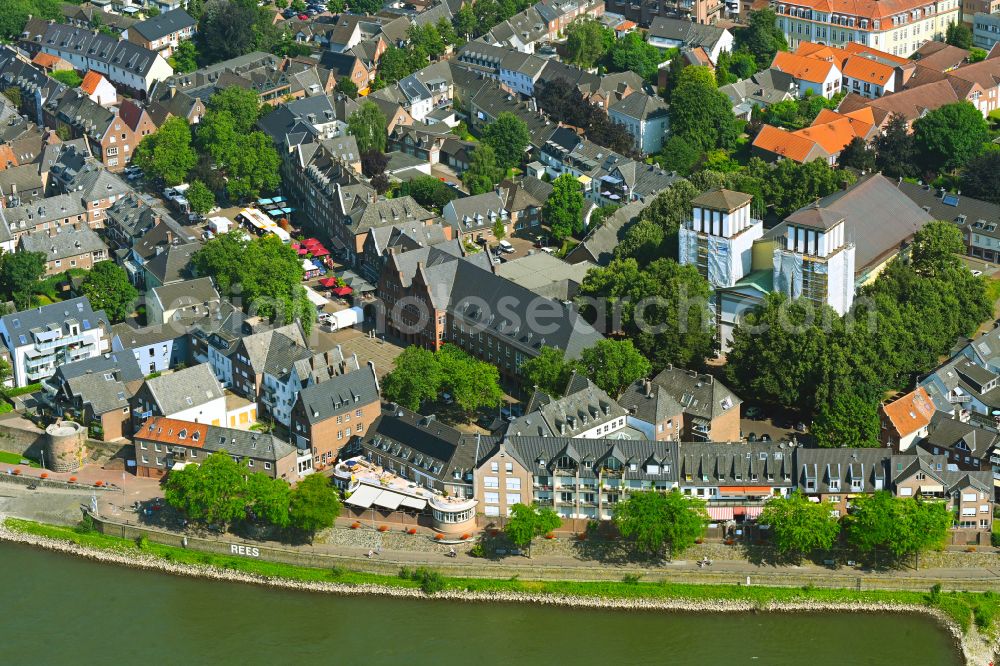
<point x="950" y="200"/>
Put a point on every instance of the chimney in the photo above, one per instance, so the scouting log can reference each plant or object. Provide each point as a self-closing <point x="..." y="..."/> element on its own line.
<point x="173" y="89"/>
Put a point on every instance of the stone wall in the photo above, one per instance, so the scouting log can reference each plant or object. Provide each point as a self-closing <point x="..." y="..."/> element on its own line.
<point x="20" y="436"/>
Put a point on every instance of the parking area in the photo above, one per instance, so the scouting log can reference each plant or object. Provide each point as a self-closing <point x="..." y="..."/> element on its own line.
<point x="381" y="352"/>
<point x="522" y="247"/>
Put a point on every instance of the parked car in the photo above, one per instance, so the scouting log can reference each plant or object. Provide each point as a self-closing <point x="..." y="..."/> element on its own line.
<point x="505" y="246"/>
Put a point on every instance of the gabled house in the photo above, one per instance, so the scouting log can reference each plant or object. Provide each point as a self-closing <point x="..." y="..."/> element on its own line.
<point x="968" y="446"/>
<point x="183" y="300"/>
<point x="834" y="477"/>
<point x="584" y="412"/>
<point x="475" y="218"/>
<point x="65" y="248"/>
<point x="163" y="33"/>
<point x="190" y="394"/>
<point x="906" y="419"/>
<point x="327" y="416"/>
<point x="647" y="119"/>
<point x="711" y="410"/>
<point x="99" y="89"/>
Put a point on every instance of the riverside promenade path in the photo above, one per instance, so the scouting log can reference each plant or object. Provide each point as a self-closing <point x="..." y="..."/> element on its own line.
<point x="558" y="560"/>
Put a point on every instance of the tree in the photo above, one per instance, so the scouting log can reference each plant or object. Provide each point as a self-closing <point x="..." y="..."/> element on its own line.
<point x="234" y="260"/>
<point x="700" y="113"/>
<point x="396" y="64"/>
<point x="587" y="41"/>
<point x="483" y="172"/>
<point x="949" y="136"/>
<point x="563" y="210"/>
<point x="789" y="185"/>
<point x="19" y="273"/>
<point x="472" y="383"/>
<point x="680" y="155"/>
<point x="429" y="192"/>
<point x="16" y="12"/>
<point x="313" y="504"/>
<point x="499" y="229"/>
<point x="654" y="520"/>
<point x="936" y="247"/>
<point x="549" y="371"/>
<point x="108" y="288"/>
<point x="211" y="492"/>
<point x="446" y="31"/>
<point x="981" y="177"/>
<point x="894" y="150"/>
<point x="416" y="377"/>
<point x="252" y="166"/>
<point x="959" y="34"/>
<point x="528" y="522"/>
<point x="366" y="7"/>
<point x="336" y="6"/>
<point x="898" y="526"/>
<point x="848" y="419"/>
<point x="509" y="137"/>
<point x="465" y="21"/>
<point x="426" y="39"/>
<point x="168" y="153"/>
<point x="661" y="307"/>
<point x="368" y="126"/>
<point x="857" y="155"/>
<point x="226" y="30"/>
<point x="614" y="364"/>
<point x="733" y="66"/>
<point x="201" y="198"/>
<point x="643" y="242"/>
<point x="267" y="499"/>
<point x="185" y="57"/>
<point x="632" y="53"/>
<point x="347" y="87"/>
<point x="242" y="104"/>
<point x="13" y="93"/>
<point x="669" y="209"/>
<point x="68" y="77"/>
<point x="373" y="163"/>
<point x="761" y="38"/>
<point x="799" y="526"/>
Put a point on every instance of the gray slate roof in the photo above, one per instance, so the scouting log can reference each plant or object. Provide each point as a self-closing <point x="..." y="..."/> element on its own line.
<point x="183" y="389"/>
<point x="164" y="24"/>
<point x="339" y="394"/>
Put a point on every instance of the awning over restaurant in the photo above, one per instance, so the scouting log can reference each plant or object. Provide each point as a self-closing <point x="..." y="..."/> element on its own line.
<point x="413" y="503"/>
<point x="342" y="291"/>
<point x="389" y="500"/>
<point x="328" y="282"/>
<point x="319" y="251"/>
<point x="720" y="512"/>
<point x="744" y="490"/>
<point x="363" y="497"/>
<point x="748" y="511"/>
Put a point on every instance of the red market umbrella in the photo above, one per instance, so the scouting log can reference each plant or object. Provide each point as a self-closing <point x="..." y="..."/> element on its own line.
<point x="295" y="245"/>
<point x="328" y="282"/>
<point x="309" y="242"/>
<point x="319" y="251"/>
<point x="303" y="251"/>
<point x="342" y="291"/>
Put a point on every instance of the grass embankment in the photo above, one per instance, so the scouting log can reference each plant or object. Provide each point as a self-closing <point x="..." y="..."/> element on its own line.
<point x="962" y="607"/>
<point x="12" y="458"/>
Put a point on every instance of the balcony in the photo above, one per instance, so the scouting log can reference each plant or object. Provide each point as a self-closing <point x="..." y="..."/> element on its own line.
<point x="32" y="364"/>
<point x="41" y="373"/>
<point x="59" y="342"/>
<point x="84" y="351"/>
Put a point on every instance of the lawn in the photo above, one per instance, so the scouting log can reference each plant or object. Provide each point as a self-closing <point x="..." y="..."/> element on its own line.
<point x="15" y="459"/>
<point x="993" y="289"/>
<point x="963" y="607"/>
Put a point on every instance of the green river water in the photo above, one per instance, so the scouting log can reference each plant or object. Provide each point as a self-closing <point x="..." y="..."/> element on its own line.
<point x="55" y="609"/>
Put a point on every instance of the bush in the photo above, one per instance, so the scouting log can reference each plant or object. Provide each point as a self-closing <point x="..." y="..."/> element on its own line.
<point x="995" y="539"/>
<point x="86" y="525"/>
<point x="477" y="550"/>
<point x="631" y="579"/>
<point x="935" y="592"/>
<point x="142" y="542"/>
<point x="430" y="581"/>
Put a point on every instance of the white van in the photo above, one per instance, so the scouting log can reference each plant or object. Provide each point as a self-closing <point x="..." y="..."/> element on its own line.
<point x="505" y="246"/>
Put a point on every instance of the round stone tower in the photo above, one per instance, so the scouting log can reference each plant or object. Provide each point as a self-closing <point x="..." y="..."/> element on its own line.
<point x="65" y="446"/>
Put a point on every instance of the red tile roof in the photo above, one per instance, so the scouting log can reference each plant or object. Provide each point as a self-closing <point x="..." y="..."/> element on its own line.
<point x="911" y="412"/>
<point x="90" y="82"/>
<point x="169" y="431"/>
<point x="801" y="67"/>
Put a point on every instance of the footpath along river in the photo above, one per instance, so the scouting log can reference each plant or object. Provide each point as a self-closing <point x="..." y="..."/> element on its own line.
<point x="55" y="609"/>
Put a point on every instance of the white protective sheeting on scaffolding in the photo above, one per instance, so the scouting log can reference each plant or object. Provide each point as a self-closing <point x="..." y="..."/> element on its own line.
<point x="719" y="265"/>
<point x="788" y="274"/>
<point x="687" y="251"/>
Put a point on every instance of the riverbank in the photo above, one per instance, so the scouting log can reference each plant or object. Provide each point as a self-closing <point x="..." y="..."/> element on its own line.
<point x="964" y="614"/>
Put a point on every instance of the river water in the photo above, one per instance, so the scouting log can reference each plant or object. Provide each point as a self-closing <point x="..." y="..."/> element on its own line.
<point x="56" y="609"/>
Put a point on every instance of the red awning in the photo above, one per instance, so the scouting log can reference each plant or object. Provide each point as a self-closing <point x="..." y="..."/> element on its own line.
<point x="720" y="512"/>
<point x="310" y="242"/>
<point x="319" y="251"/>
<point x="303" y="251"/>
<point x="748" y="511"/>
<point x="294" y="245"/>
<point x="328" y="282"/>
<point x="342" y="291"/>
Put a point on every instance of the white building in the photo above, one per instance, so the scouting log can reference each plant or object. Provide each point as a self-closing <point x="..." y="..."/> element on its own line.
<point x="191" y="394"/>
<point x="189" y="298"/>
<point x="41" y="339"/>
<point x="719" y="237"/>
<point x="899" y="28"/>
<point x="647" y="119"/>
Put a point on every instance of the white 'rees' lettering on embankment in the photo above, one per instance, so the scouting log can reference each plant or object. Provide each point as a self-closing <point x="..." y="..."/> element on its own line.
<point x="249" y="551"/>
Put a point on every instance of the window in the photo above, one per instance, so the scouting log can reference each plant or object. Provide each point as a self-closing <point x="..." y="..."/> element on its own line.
<point x="513" y="483"/>
<point x="905" y="492"/>
<point x="357" y="413"/>
<point x="509" y="468"/>
<point x="491" y="482"/>
<point x="249" y="463"/>
<point x="145" y="460"/>
<point x="492" y="511"/>
<point x="513" y="498"/>
<point x="358" y="429"/>
<point x="494" y="467"/>
<point x="491" y="498"/>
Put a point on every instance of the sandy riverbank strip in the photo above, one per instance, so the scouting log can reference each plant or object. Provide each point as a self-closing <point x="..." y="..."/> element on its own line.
<point x="975" y="648"/>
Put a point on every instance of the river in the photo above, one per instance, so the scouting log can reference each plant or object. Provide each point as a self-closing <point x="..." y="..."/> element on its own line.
<point x="56" y="609"/>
